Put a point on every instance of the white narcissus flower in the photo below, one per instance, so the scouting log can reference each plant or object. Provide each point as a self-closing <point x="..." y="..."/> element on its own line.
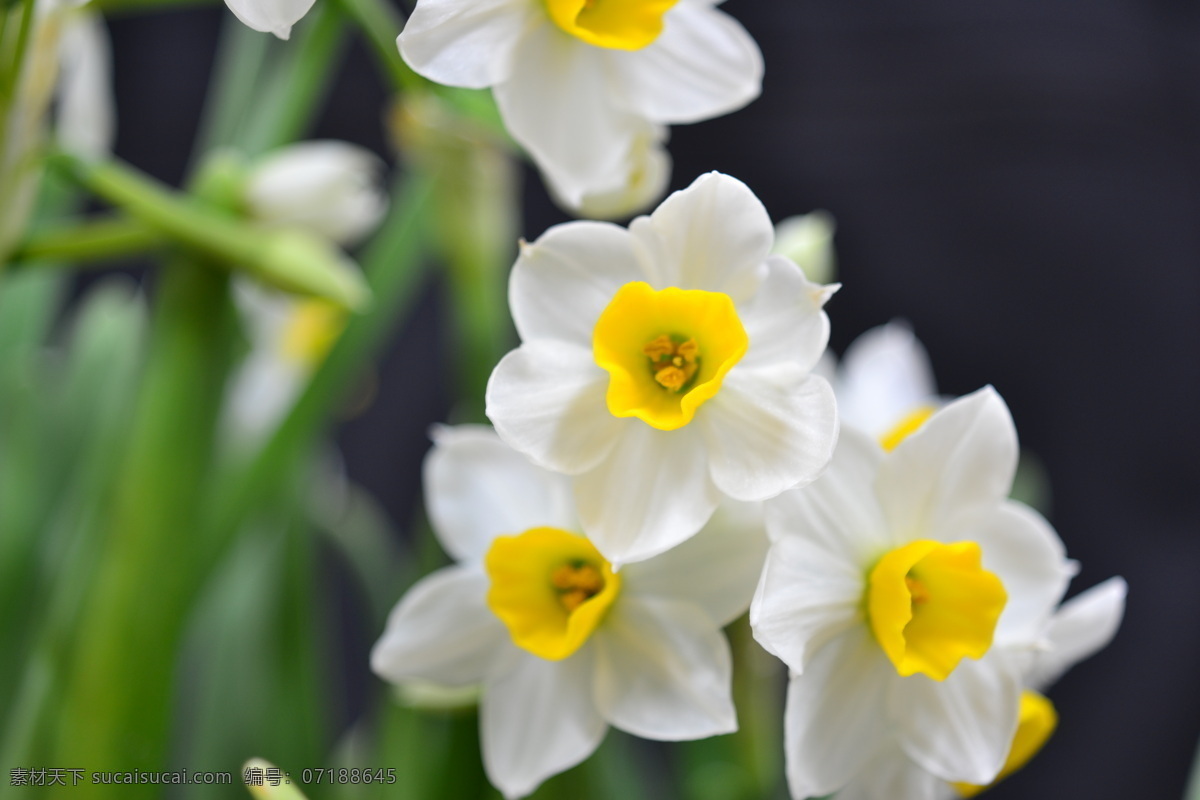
<point x="885" y="384"/>
<point x="562" y="645"/>
<point x="1079" y="628"/>
<point x="666" y="365"/>
<point x="289" y="337"/>
<point x="578" y="81"/>
<point x="270" y="16"/>
<point x="329" y="187"/>
<point x="909" y="598"/>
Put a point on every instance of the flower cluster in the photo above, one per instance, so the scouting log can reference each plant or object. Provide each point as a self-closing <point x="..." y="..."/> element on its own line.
<point x="658" y="426"/>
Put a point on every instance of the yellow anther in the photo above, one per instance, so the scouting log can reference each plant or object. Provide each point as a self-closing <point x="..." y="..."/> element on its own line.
<point x="689" y="350"/>
<point x="671" y="378"/>
<point x="917" y="589"/>
<point x="659" y="348"/>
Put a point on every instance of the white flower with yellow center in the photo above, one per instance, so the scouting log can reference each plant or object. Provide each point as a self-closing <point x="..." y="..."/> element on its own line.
<point x="666" y="365"/>
<point x="578" y="82"/>
<point x="908" y="597"/>
<point x="562" y="644"/>
<point x="1078" y="629"/>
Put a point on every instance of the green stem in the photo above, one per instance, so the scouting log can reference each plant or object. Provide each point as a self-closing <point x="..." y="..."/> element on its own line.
<point x="299" y="81"/>
<point x="112" y="8"/>
<point x="381" y="23"/>
<point x="88" y="243"/>
<point x="117" y="707"/>
<point x="14" y="72"/>
<point x="241" y="56"/>
<point x="393" y="268"/>
<point x="292" y="260"/>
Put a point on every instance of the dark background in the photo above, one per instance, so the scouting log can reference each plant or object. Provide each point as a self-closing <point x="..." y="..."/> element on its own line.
<point x="1018" y="180"/>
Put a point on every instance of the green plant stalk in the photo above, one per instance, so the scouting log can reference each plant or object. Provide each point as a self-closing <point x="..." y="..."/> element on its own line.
<point x="91" y="243"/>
<point x="381" y="23"/>
<point x="291" y="260"/>
<point x="13" y="76"/>
<point x="116" y="714"/>
<point x="394" y="269"/>
<point x="299" y="82"/>
<point x="241" y="56"/>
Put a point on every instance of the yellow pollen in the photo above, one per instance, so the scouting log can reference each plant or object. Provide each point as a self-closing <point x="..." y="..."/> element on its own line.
<point x="916" y="590"/>
<point x="613" y="24"/>
<point x="650" y="342"/>
<point x="930" y="605"/>
<point x="551" y="589"/>
<point x="312" y="329"/>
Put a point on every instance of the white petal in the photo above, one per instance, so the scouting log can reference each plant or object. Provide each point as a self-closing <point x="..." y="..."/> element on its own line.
<point x="717" y="569"/>
<point x="537" y="719"/>
<point x="768" y="430"/>
<point x="643" y="181"/>
<point x="839" y="511"/>
<point x="1084" y="624"/>
<point x="834" y="720"/>
<point x="86" y="119"/>
<point x="1021" y="548"/>
<point x="478" y="488"/>
<point x="960" y="729"/>
<point x="468" y="43"/>
<point x="562" y="282"/>
<point x="786" y="320"/>
<point x="703" y="65"/>
<point x="441" y="631"/>
<point x="329" y="187"/>
<point x="714" y="235"/>
<point x="952" y="472"/>
<point x="885" y="375"/>
<point x="546" y="399"/>
<point x="650" y="494"/>
<point x="664" y="671"/>
<point x="270" y="16"/>
<point x="556" y="105"/>
<point x="892" y="775"/>
<point x="806" y="597"/>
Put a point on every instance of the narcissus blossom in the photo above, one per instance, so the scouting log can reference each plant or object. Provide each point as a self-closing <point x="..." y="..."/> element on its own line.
<point x="909" y="597"/>
<point x="562" y="645"/>
<point x="1079" y="628"/>
<point x="885" y="384"/>
<point x="329" y="187"/>
<point x="578" y="83"/>
<point x="666" y="366"/>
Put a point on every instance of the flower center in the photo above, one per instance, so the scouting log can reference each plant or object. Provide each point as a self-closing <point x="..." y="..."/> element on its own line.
<point x="551" y="588"/>
<point x="931" y="604"/>
<point x="1037" y="720"/>
<point x="312" y="329"/>
<point x="666" y="351"/>
<point x="906" y="427"/>
<point x="615" y="24"/>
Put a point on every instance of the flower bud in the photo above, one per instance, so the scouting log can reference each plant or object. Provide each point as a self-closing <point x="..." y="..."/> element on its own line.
<point x="331" y="188"/>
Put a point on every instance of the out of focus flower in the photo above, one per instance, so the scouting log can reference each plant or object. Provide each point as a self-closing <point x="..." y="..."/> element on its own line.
<point x="562" y="645"/>
<point x="331" y="188"/>
<point x="808" y="240"/>
<point x="289" y="337"/>
<point x="578" y="83"/>
<point x="885" y="385"/>
<point x="666" y="365"/>
<point x="270" y="16"/>
<point x="910" y="598"/>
